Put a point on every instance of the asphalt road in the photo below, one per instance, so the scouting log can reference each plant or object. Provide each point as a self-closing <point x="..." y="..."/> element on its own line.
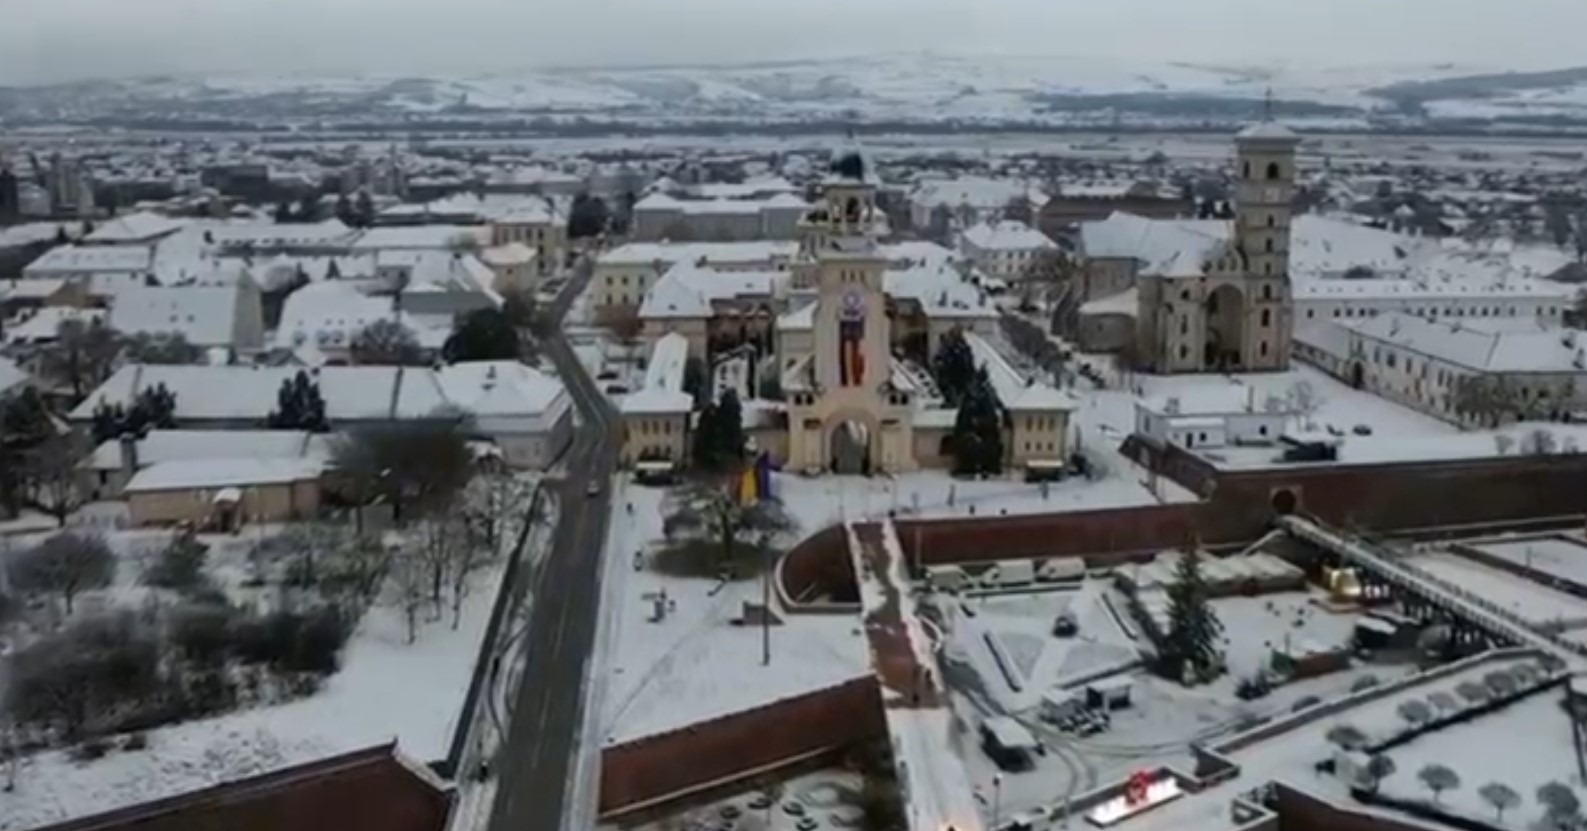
<point x="542" y="736"/>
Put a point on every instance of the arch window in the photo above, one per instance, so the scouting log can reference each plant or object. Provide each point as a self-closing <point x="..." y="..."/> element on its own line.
<point x="1273" y="171"/>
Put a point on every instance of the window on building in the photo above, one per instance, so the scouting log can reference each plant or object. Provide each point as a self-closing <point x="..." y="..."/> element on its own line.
<point x="1271" y="221"/>
<point x="1311" y="313"/>
<point x="1267" y="269"/>
<point x="1267" y="317"/>
<point x="1262" y="348"/>
<point x="1268" y="245"/>
<point x="1267" y="291"/>
<point x="1184" y="352"/>
<point x="1273" y="171"/>
<point x="1246" y="172"/>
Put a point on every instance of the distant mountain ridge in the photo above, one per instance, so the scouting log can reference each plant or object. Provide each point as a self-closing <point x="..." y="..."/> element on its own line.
<point x="930" y="87"/>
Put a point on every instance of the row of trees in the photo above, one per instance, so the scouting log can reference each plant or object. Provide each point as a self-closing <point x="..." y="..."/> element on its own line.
<point x="1492" y="400"/>
<point x="976" y="442"/>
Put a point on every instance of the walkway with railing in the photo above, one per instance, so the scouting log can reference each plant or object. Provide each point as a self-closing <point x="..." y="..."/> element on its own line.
<point x="1458" y="599"/>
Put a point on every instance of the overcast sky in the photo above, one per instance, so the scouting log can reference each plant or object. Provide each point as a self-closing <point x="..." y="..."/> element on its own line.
<point x="48" y="40"/>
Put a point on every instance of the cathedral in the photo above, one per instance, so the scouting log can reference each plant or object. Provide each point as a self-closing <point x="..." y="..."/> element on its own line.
<point x="855" y="326"/>
<point x="1227" y="306"/>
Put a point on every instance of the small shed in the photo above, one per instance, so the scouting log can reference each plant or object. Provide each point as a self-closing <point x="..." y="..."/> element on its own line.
<point x="946" y="578"/>
<point x="1109" y="693"/>
<point x="1008" y="743"/>
<point x="1062" y="569"/>
<point x="1016" y="572"/>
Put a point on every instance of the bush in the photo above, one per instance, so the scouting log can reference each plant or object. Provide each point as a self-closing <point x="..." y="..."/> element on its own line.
<point x="180" y="565"/>
<point x="64" y="564"/>
<point x="292" y="642"/>
<point x="202" y="633"/>
<point x="1365" y="682"/>
<point x="93" y="674"/>
<point x="91" y="750"/>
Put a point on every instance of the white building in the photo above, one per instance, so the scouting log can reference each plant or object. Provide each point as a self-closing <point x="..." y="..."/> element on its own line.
<point x="625" y="274"/>
<point x="1004" y="250"/>
<point x="1204" y="417"/>
<point x="227" y="316"/>
<point x="967" y="199"/>
<point x="1524" y="299"/>
<point x="527" y="413"/>
<point x="1475" y="372"/>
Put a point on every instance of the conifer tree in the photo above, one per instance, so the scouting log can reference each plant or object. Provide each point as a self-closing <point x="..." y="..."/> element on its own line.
<point x="1191" y="647"/>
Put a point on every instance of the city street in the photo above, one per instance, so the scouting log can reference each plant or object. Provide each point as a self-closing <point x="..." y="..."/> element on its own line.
<point x="542" y="736"/>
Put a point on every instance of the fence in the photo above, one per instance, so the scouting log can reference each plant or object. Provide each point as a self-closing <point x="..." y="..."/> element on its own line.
<point x="505" y="596"/>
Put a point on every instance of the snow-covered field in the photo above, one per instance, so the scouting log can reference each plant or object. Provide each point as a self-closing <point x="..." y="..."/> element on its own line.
<point x="1525" y="745"/>
<point x="694" y="663"/>
<point x="385" y="690"/>
<point x="1561" y="555"/>
<point x="1533" y="602"/>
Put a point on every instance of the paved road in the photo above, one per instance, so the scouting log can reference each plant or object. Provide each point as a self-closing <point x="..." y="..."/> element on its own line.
<point x="542" y="736"/>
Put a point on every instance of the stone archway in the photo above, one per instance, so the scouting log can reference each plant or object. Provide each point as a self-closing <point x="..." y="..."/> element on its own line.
<point x="1225" y="314"/>
<point x="852" y="443"/>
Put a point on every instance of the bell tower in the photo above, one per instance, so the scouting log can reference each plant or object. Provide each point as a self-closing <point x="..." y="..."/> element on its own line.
<point x="1264" y="209"/>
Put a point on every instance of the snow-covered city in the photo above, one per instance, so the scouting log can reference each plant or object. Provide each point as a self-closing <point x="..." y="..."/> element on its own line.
<point x="930" y="441"/>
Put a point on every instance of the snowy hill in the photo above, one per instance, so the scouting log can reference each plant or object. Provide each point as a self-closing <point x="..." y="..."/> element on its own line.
<point x="904" y="87"/>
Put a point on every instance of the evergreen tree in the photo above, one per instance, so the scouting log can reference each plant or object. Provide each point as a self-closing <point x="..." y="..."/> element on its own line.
<point x="705" y="439"/>
<point x="482" y="335"/>
<point x="954" y="366"/>
<point x="1190" y="649"/>
<point x="364" y="209"/>
<point x="344" y="211"/>
<point x="588" y="217"/>
<point x="153" y="408"/>
<point x="308" y="208"/>
<point x="977" y="437"/>
<point x="284" y="213"/>
<point x="729" y="431"/>
<point x="299" y="406"/>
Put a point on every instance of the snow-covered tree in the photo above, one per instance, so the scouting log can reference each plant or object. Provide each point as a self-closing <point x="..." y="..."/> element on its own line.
<point x="1191" y="647"/>
<point x="977" y="437"/>
<point x="1439" y="778"/>
<point x="953" y="366"/>
<point x="1347" y="736"/>
<point x="1501" y="796"/>
<point x="1560" y="805"/>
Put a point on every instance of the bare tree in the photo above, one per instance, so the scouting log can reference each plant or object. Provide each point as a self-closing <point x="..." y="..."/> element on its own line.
<point x="406" y="587"/>
<point x="1503" y="442"/>
<point x="624" y="323"/>
<point x="10" y="754"/>
<point x="50" y="471"/>
<point x="1379" y="768"/>
<point x="1438" y="778"/>
<point x="82" y="355"/>
<point x="1304" y="399"/>
<point x="354" y="573"/>
<point x="162" y="348"/>
<point x="712" y="513"/>
<point x="387" y="342"/>
<point x="443" y="544"/>
<point x="65" y="564"/>
<point x="495" y="508"/>
<point x="1501" y="796"/>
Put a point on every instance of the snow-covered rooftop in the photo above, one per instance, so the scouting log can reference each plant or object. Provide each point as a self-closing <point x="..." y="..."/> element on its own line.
<point x="1486" y="345"/>
<point x="222" y="473"/>
<point x="204" y="315"/>
<point x="74" y="259"/>
<point x="735" y="253"/>
<point x="159" y="446"/>
<point x="142" y="226"/>
<point x="1008" y="235"/>
<point x="687" y="290"/>
<point x="1268" y="131"/>
<point x="435" y="237"/>
<point x="1016" y="390"/>
<point x="662" y="388"/>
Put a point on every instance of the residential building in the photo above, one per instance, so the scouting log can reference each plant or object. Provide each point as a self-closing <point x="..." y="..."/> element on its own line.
<point x="101" y="268"/>
<point x="525" y="412"/>
<point x="1074" y="204"/>
<point x="228" y="316"/>
<point x="1474" y="372"/>
<point x="1210" y="417"/>
<point x="963" y="201"/>
<point x="656" y="415"/>
<point x="661" y="216"/>
<point x="1006" y="249"/>
<point x="224" y="494"/>
<point x="105" y="472"/>
<point x="626" y="274"/>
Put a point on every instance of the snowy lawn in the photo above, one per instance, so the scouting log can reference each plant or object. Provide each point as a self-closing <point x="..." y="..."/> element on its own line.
<point x="1560" y="555"/>
<point x="385" y="689"/>
<point x="1533" y="602"/>
<point x="1523" y="746"/>
<point x="695" y="663"/>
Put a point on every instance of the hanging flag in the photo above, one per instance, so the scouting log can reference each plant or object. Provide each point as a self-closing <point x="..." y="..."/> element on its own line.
<point x="748" y="486"/>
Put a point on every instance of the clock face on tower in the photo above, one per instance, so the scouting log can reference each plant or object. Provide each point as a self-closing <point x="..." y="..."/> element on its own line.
<point x="853" y="307"/>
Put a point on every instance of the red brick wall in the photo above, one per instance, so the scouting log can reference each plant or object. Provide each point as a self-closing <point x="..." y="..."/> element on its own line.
<point x="1094" y="534"/>
<point x="671" y="764"/>
<point x="1299" y="811"/>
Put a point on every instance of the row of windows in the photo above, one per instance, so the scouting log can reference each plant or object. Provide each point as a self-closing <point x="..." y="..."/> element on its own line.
<point x="1267" y="293"/>
<point x="1040" y="447"/>
<point x="1184" y="351"/>
<point x="1433" y="313"/>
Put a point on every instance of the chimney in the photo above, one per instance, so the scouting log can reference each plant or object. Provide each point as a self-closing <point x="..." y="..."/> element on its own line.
<point x="129" y="454"/>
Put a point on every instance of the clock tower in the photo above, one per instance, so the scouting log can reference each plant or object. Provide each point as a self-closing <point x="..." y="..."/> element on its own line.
<point x="848" y="417"/>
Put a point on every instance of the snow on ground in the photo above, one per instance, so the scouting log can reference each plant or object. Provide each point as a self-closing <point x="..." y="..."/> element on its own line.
<point x="829" y="796"/>
<point x="1560" y="555"/>
<point x="1163" y="717"/>
<point x="1533" y="602"/>
<point x="1022" y="625"/>
<point x="386" y="689"/>
<point x="1525" y="745"/>
<point x="695" y="663"/>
